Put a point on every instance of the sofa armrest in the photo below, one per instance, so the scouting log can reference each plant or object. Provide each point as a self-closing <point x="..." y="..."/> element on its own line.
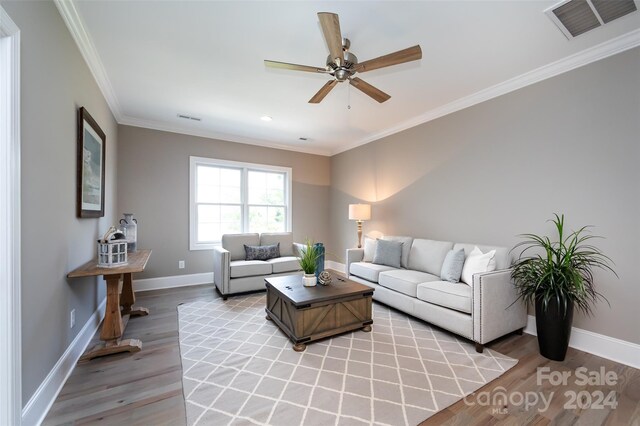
<point x="496" y="308"/>
<point x="353" y="255"/>
<point x="221" y="269"/>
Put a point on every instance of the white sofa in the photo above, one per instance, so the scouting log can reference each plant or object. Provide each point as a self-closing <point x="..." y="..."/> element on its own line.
<point x="480" y="312"/>
<point x="232" y="274"/>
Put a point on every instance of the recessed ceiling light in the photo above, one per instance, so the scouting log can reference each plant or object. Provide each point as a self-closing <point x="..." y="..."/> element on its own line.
<point x="266" y="118"/>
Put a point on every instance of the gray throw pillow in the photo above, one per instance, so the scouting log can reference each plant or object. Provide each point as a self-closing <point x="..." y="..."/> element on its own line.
<point x="388" y="253"/>
<point x="262" y="252"/>
<point x="452" y="266"/>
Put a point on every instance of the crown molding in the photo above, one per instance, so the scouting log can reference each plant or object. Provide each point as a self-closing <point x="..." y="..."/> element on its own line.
<point x="601" y="51"/>
<point x="75" y="25"/>
<point x="210" y="134"/>
<point x="88" y="50"/>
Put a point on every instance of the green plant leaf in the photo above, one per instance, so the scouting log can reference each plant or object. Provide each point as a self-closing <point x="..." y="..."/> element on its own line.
<point x="564" y="272"/>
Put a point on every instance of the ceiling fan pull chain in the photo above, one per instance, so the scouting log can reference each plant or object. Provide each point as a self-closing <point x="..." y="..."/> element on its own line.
<point x="349" y="96"/>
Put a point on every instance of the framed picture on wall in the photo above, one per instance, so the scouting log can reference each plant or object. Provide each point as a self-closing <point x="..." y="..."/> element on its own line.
<point x="91" y="165"/>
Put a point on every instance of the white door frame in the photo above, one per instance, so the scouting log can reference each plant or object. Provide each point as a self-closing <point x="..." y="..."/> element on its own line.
<point x="10" y="327"/>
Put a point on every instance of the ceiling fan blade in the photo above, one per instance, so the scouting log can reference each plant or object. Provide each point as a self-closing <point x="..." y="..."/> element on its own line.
<point x="318" y="97"/>
<point x="401" y="56"/>
<point x="293" y="67"/>
<point x="331" y="29"/>
<point x="369" y="90"/>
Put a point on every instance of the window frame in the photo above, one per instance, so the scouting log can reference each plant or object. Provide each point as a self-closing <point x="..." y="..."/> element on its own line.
<point x="245" y="168"/>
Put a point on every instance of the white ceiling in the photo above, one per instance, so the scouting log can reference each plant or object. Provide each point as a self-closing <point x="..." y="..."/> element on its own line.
<point x="155" y="59"/>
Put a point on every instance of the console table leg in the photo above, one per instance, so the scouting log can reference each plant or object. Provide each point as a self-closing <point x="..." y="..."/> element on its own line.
<point x="366" y="328"/>
<point x="112" y="327"/>
<point x="128" y="298"/>
<point x="299" y="347"/>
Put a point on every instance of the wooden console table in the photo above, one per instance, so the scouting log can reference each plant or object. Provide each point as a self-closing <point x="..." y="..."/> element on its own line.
<point x="116" y="320"/>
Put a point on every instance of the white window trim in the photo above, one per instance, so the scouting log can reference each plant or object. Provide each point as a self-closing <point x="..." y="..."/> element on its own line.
<point x="10" y="281"/>
<point x="246" y="167"/>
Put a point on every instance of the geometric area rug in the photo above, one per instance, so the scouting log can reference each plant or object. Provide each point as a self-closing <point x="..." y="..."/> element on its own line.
<point x="239" y="368"/>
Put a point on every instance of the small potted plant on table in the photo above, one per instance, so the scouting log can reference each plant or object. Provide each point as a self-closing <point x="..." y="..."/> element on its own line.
<point x="557" y="278"/>
<point x="309" y="254"/>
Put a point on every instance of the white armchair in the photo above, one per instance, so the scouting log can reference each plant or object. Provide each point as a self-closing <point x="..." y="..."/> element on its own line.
<point x="233" y="274"/>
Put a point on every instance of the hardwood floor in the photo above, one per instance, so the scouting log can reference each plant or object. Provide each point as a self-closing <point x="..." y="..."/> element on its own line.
<point x="145" y="388"/>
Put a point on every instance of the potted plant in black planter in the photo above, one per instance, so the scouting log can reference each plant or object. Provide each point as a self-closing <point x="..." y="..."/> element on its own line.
<point x="557" y="279"/>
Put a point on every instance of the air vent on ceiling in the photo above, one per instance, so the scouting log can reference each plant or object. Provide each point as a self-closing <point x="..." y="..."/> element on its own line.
<point x="575" y="17"/>
<point x="189" y="117"/>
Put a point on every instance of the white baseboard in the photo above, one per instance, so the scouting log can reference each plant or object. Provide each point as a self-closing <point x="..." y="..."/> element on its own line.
<point x="617" y="350"/>
<point x="38" y="406"/>
<point x="336" y="266"/>
<point x="147" y="284"/>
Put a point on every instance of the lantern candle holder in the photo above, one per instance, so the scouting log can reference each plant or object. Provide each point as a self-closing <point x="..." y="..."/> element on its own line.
<point x="112" y="251"/>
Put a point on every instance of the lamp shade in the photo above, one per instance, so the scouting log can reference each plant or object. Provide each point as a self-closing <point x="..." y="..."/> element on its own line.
<point x="359" y="211"/>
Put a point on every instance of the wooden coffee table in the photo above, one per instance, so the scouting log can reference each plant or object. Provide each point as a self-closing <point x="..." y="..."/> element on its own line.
<point x="307" y="314"/>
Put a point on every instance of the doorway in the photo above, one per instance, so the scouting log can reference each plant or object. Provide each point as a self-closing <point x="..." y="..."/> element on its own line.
<point x="10" y="340"/>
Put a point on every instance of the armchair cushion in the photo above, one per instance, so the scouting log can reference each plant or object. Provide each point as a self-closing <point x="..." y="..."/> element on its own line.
<point x="368" y="271"/>
<point x="284" y="238"/>
<point x="235" y="244"/>
<point x="249" y="268"/>
<point x="284" y="264"/>
<point x="448" y="295"/>
<point x="262" y="252"/>
<point x="404" y="280"/>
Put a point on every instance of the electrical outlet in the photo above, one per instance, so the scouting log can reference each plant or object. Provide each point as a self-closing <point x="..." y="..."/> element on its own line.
<point x="72" y="318"/>
<point x="180" y="264"/>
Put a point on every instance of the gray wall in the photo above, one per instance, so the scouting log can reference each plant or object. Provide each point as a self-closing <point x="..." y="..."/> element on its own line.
<point x="569" y="144"/>
<point x="55" y="81"/>
<point x="153" y="183"/>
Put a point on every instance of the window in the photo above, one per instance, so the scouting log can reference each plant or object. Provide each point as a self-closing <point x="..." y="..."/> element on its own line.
<point x="227" y="197"/>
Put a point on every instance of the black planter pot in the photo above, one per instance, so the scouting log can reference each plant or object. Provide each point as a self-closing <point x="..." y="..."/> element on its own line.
<point x="554" y="329"/>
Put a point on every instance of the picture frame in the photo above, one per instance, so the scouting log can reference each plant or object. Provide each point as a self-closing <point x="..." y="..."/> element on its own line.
<point x="91" y="150"/>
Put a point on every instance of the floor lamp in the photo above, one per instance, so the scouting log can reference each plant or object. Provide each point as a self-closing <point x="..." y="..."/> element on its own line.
<point x="359" y="212"/>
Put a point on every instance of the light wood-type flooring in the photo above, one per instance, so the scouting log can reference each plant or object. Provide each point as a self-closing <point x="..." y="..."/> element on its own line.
<point x="145" y="388"/>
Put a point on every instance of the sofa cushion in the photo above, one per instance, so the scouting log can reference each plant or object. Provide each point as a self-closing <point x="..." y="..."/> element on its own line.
<point x="428" y="255"/>
<point x="284" y="238"/>
<point x="284" y="264"/>
<point x="370" y="245"/>
<point x="502" y="257"/>
<point x="452" y="266"/>
<point x="262" y="252"/>
<point x="404" y="280"/>
<point x="406" y="248"/>
<point x="448" y="295"/>
<point x="249" y="268"/>
<point x="477" y="263"/>
<point x="368" y="271"/>
<point x="235" y="244"/>
<point x="388" y="253"/>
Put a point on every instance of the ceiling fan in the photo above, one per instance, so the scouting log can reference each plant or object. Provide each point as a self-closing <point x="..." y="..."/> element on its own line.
<point x="343" y="65"/>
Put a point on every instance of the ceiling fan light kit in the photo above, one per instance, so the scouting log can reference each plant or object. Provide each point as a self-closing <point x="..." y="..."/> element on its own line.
<point x="342" y="65"/>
